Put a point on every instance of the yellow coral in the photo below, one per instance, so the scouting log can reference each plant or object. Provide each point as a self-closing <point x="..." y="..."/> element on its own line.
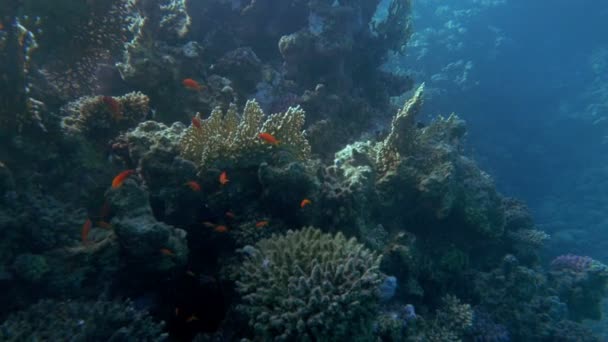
<point x="228" y="136"/>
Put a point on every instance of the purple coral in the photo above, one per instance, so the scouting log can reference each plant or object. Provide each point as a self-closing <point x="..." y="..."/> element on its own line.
<point x="484" y="329"/>
<point x="572" y="262"/>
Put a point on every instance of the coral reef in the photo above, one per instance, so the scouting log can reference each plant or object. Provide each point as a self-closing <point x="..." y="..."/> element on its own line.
<point x="100" y="118"/>
<point x="582" y="283"/>
<point x="308" y="284"/>
<point x="229" y="138"/>
<point x="100" y="320"/>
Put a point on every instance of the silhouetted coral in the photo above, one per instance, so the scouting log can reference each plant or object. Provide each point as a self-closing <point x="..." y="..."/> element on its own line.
<point x="51" y="320"/>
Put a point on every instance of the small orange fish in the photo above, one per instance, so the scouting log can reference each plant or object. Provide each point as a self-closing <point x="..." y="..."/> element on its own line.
<point x="261" y="224"/>
<point x="194" y="186"/>
<point x="191" y="84"/>
<point x="208" y="224"/>
<point x="224" y="178"/>
<point x="117" y="181"/>
<point x="1" y="26"/>
<point x="113" y="106"/>
<point x="192" y="318"/>
<point x="167" y="252"/>
<point x="103" y="224"/>
<point x="196" y="122"/>
<point x="305" y="202"/>
<point x="86" y="228"/>
<point x="230" y="215"/>
<point x="269" y="138"/>
<point x="221" y="229"/>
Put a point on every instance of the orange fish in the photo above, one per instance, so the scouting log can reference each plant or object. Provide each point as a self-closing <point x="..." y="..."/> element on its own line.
<point x="194" y="186"/>
<point x="167" y="252"/>
<point x="113" y="106"/>
<point x="191" y="84"/>
<point x="103" y="224"/>
<point x="208" y="224"/>
<point x="269" y="138"/>
<point x="261" y="224"/>
<point x="224" y="178"/>
<point x="230" y="215"/>
<point x="221" y="229"/>
<point x="191" y="319"/>
<point x="305" y="202"/>
<point x="196" y="122"/>
<point x="117" y="181"/>
<point x="86" y="228"/>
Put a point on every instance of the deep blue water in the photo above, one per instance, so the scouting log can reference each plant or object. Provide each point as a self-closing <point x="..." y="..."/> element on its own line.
<point x="526" y="100"/>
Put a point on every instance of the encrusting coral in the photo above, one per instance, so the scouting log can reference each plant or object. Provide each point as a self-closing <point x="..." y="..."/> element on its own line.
<point x="309" y="285"/>
<point x="229" y="137"/>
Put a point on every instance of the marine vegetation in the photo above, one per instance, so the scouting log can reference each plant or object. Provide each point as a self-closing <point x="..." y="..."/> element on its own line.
<point x="236" y="170"/>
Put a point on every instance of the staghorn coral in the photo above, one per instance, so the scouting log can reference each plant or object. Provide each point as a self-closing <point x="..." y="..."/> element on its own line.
<point x="50" y="320"/>
<point x="309" y="285"/>
<point x="228" y="137"/>
<point x="102" y="117"/>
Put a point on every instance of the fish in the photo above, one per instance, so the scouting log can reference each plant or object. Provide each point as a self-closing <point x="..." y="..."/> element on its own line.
<point x="113" y="106"/>
<point x="192" y="318"/>
<point x="103" y="224"/>
<point x="194" y="186"/>
<point x="120" y="178"/>
<point x="269" y="138"/>
<point x="196" y="122"/>
<point x="224" y="178"/>
<point x="86" y="228"/>
<point x="221" y="229"/>
<point x="208" y="224"/>
<point x="261" y="224"/>
<point x="230" y="215"/>
<point x="167" y="252"/>
<point x="305" y="202"/>
<point x="191" y="84"/>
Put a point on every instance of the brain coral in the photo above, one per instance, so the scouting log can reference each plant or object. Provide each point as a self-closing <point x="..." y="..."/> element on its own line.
<point x="308" y="285"/>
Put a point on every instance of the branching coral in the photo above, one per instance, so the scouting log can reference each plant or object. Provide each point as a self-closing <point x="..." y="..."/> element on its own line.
<point x="309" y="285"/>
<point x="81" y="321"/>
<point x="230" y="137"/>
<point x="451" y="321"/>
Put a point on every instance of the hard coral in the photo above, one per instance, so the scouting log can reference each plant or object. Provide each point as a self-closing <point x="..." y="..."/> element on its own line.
<point x="101" y="117"/>
<point x="51" y="320"/>
<point x="309" y="285"/>
<point x="227" y="137"/>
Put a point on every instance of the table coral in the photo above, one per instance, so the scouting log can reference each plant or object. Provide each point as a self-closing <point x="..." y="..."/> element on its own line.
<point x="309" y="285"/>
<point x="228" y="137"/>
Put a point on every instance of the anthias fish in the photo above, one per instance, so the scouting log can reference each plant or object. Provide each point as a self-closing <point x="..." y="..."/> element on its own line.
<point x="191" y="84"/>
<point x="196" y="122"/>
<point x="120" y="178"/>
<point x="269" y="138"/>
<point x="305" y="202"/>
<point x="194" y="186"/>
<point x="86" y="228"/>
<point x="224" y="178"/>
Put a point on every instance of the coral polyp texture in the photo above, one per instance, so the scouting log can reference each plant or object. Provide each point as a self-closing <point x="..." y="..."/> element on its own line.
<point x="230" y="137"/>
<point x="98" y="117"/>
<point x="309" y="285"/>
